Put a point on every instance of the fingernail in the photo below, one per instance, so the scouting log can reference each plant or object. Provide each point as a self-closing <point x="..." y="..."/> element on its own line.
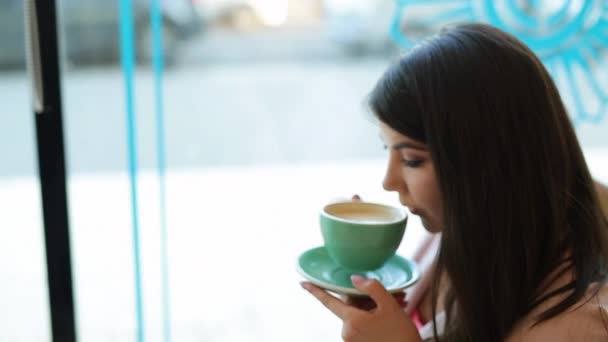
<point x="357" y="279"/>
<point x="305" y="286"/>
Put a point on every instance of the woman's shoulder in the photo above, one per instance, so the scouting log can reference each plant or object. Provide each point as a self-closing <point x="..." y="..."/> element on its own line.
<point x="587" y="320"/>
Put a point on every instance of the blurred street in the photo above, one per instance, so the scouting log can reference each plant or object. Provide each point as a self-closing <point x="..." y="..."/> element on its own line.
<point x="226" y="103"/>
<point x="291" y="107"/>
<point x="305" y="44"/>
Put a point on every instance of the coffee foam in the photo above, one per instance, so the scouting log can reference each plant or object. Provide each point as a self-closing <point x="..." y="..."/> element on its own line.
<point x="364" y="212"/>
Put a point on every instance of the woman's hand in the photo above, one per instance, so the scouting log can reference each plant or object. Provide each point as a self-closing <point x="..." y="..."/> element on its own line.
<point x="387" y="322"/>
<point x="367" y="304"/>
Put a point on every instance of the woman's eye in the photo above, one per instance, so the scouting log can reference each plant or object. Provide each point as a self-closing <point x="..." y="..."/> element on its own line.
<point x="412" y="163"/>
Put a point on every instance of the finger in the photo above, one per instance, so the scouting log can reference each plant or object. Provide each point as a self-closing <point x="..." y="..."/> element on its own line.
<point x="330" y="302"/>
<point x="375" y="290"/>
<point x="354" y="198"/>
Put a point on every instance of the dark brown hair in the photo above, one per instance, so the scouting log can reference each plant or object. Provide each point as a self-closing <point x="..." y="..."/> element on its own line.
<point x="518" y="198"/>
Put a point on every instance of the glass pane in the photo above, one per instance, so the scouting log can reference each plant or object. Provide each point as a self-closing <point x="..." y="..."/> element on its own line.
<point x="264" y="123"/>
<point x="24" y="310"/>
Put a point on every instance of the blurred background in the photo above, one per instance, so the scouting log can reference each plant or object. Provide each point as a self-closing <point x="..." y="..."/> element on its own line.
<point x="264" y="123"/>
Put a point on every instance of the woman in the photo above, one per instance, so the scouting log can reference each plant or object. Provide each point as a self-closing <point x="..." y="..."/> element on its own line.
<point x="482" y="149"/>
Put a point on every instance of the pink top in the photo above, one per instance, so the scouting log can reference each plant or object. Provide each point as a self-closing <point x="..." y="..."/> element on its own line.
<point x="417" y="319"/>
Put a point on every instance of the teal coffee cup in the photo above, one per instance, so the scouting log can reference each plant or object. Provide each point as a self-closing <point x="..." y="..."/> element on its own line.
<point x="361" y="236"/>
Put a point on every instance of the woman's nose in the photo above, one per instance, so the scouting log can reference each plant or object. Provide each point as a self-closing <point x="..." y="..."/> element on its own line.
<point x="392" y="178"/>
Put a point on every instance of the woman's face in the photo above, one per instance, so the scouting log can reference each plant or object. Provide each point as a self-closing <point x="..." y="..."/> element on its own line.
<point x="410" y="172"/>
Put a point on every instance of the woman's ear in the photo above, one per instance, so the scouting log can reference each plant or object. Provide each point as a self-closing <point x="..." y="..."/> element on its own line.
<point x="602" y="192"/>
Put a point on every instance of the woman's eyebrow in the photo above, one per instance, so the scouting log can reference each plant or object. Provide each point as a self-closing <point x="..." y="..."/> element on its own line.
<point x="406" y="144"/>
